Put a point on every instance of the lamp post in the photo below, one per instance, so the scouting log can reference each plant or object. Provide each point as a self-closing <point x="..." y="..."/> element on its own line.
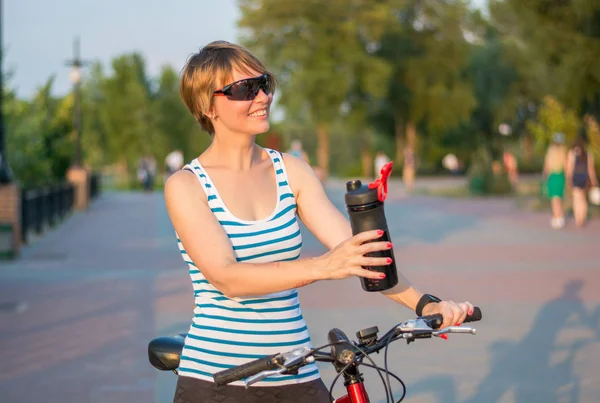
<point x="77" y="174"/>
<point x="5" y="171"/>
<point x="75" y="76"/>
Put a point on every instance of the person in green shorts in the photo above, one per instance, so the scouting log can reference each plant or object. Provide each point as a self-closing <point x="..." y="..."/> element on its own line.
<point x="555" y="163"/>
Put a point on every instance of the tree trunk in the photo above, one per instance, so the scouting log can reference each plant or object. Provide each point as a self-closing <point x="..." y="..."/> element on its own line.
<point x="399" y="136"/>
<point x="411" y="136"/>
<point x="323" y="149"/>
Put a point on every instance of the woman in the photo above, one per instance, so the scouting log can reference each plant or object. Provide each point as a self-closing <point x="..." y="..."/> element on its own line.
<point x="554" y="170"/>
<point x="580" y="175"/>
<point x="234" y="210"/>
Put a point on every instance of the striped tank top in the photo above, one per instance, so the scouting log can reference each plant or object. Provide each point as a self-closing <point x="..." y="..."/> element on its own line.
<point x="226" y="332"/>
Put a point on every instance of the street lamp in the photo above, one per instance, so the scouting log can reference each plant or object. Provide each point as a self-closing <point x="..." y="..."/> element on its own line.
<point x="75" y="76"/>
<point x="5" y="171"/>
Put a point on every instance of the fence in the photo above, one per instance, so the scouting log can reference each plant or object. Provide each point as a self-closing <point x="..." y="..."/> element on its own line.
<point x="44" y="207"/>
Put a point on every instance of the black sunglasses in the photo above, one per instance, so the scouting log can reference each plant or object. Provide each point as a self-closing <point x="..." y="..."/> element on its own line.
<point x="246" y="90"/>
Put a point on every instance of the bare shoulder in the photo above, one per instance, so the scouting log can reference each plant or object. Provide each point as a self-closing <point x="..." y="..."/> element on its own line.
<point x="183" y="184"/>
<point x="300" y="174"/>
<point x="295" y="165"/>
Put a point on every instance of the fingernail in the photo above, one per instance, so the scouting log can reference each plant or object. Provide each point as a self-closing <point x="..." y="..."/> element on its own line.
<point x="470" y="312"/>
<point x="444" y="336"/>
<point x="389" y="245"/>
<point x="458" y="324"/>
<point x="389" y="260"/>
<point x="380" y="232"/>
<point x="382" y="275"/>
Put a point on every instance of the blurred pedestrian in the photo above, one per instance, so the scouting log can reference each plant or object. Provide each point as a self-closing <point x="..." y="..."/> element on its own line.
<point x="408" y="170"/>
<point x="381" y="159"/>
<point x="297" y="151"/>
<point x="581" y="176"/>
<point x="555" y="164"/>
<point x="173" y="162"/>
<point x="147" y="172"/>
<point x="512" y="168"/>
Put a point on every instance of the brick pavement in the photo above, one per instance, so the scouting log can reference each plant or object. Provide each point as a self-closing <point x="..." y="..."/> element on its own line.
<point x="77" y="310"/>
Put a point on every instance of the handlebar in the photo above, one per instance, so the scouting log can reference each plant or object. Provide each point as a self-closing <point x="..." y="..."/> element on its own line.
<point x="343" y="352"/>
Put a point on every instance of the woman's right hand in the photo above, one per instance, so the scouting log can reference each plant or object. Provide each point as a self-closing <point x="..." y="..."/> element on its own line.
<point x="347" y="259"/>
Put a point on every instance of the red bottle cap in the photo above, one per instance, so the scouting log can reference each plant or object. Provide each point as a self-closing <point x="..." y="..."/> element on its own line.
<point x="381" y="183"/>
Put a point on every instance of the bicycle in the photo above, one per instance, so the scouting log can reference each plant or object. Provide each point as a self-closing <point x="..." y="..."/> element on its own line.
<point x="346" y="356"/>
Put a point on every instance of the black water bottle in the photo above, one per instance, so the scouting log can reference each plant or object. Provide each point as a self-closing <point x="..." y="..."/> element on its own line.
<point x="366" y="213"/>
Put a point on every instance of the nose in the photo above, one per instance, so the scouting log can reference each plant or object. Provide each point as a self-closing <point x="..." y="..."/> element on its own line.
<point x="262" y="97"/>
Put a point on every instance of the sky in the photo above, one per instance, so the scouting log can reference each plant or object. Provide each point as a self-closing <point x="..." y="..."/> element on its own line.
<point x="38" y="34"/>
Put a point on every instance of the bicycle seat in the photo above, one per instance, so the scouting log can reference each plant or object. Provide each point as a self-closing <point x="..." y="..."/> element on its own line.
<point x="164" y="352"/>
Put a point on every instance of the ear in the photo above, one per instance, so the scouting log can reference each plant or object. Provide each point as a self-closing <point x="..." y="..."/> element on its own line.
<point x="211" y="114"/>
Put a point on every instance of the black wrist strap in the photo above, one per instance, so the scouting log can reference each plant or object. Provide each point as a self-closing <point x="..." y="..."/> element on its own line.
<point x="425" y="299"/>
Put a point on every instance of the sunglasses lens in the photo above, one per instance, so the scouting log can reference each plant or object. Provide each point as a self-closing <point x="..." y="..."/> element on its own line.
<point x="248" y="89"/>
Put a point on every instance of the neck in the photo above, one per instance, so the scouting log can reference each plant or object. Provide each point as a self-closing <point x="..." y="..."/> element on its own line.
<point x="234" y="152"/>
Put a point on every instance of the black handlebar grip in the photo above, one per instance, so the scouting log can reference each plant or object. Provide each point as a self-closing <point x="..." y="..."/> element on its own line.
<point x="245" y="370"/>
<point x="475" y="317"/>
<point x="338" y="337"/>
<point x="435" y="321"/>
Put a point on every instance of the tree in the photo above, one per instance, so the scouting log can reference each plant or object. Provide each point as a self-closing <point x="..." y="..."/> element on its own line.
<point x="176" y="125"/>
<point x="40" y="140"/>
<point x="425" y="43"/>
<point x="492" y="78"/>
<point x="553" y="117"/>
<point x="555" y="46"/>
<point x="126" y="113"/>
<point x="320" y="53"/>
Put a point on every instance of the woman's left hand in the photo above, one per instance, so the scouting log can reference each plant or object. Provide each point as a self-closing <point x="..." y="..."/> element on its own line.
<point x="454" y="313"/>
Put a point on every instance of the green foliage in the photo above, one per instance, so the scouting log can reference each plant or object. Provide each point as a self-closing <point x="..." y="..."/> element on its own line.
<point x="360" y="72"/>
<point x="552" y="118"/>
<point x="39" y="137"/>
<point x="484" y="179"/>
<point x="593" y="135"/>
<point x="554" y="45"/>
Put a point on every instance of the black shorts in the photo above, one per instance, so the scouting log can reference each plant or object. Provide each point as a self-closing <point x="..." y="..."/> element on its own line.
<point x="581" y="180"/>
<point x="193" y="390"/>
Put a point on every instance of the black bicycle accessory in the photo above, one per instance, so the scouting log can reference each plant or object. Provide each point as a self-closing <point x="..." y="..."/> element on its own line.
<point x="341" y="349"/>
<point x="425" y="299"/>
<point x="248" y="369"/>
<point x="365" y="206"/>
<point x="435" y="320"/>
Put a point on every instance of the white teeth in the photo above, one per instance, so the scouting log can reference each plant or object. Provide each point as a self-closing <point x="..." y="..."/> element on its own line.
<point x="262" y="112"/>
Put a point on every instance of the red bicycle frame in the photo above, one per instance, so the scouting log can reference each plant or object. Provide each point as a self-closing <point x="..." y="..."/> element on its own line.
<point x="355" y="386"/>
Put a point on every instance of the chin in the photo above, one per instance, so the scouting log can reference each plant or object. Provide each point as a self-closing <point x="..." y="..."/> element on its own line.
<point x="262" y="128"/>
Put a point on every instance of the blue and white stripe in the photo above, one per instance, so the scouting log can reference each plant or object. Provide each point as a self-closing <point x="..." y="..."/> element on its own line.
<point x="231" y="331"/>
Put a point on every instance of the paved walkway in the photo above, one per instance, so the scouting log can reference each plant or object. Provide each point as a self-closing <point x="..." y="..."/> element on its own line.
<point x="77" y="310"/>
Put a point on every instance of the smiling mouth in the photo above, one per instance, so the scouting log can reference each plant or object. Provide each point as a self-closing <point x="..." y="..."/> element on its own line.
<point x="258" y="114"/>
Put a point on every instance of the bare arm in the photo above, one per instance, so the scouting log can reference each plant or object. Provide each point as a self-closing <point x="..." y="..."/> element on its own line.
<point x="546" y="170"/>
<point x="329" y="225"/>
<point x="570" y="168"/>
<point x="207" y="244"/>
<point x="592" y="170"/>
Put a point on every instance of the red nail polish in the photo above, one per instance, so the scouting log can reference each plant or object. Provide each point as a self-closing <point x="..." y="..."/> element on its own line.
<point x="458" y="324"/>
<point x="389" y="245"/>
<point x="382" y="275"/>
<point x="470" y="312"/>
<point x="389" y="260"/>
<point x="379" y="232"/>
<point x="444" y="336"/>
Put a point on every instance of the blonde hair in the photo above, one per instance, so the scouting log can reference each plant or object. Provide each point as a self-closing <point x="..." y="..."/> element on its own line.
<point x="212" y="68"/>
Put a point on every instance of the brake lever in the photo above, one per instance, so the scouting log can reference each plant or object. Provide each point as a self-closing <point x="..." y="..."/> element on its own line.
<point x="296" y="357"/>
<point x="454" y="329"/>
<point x="262" y="375"/>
